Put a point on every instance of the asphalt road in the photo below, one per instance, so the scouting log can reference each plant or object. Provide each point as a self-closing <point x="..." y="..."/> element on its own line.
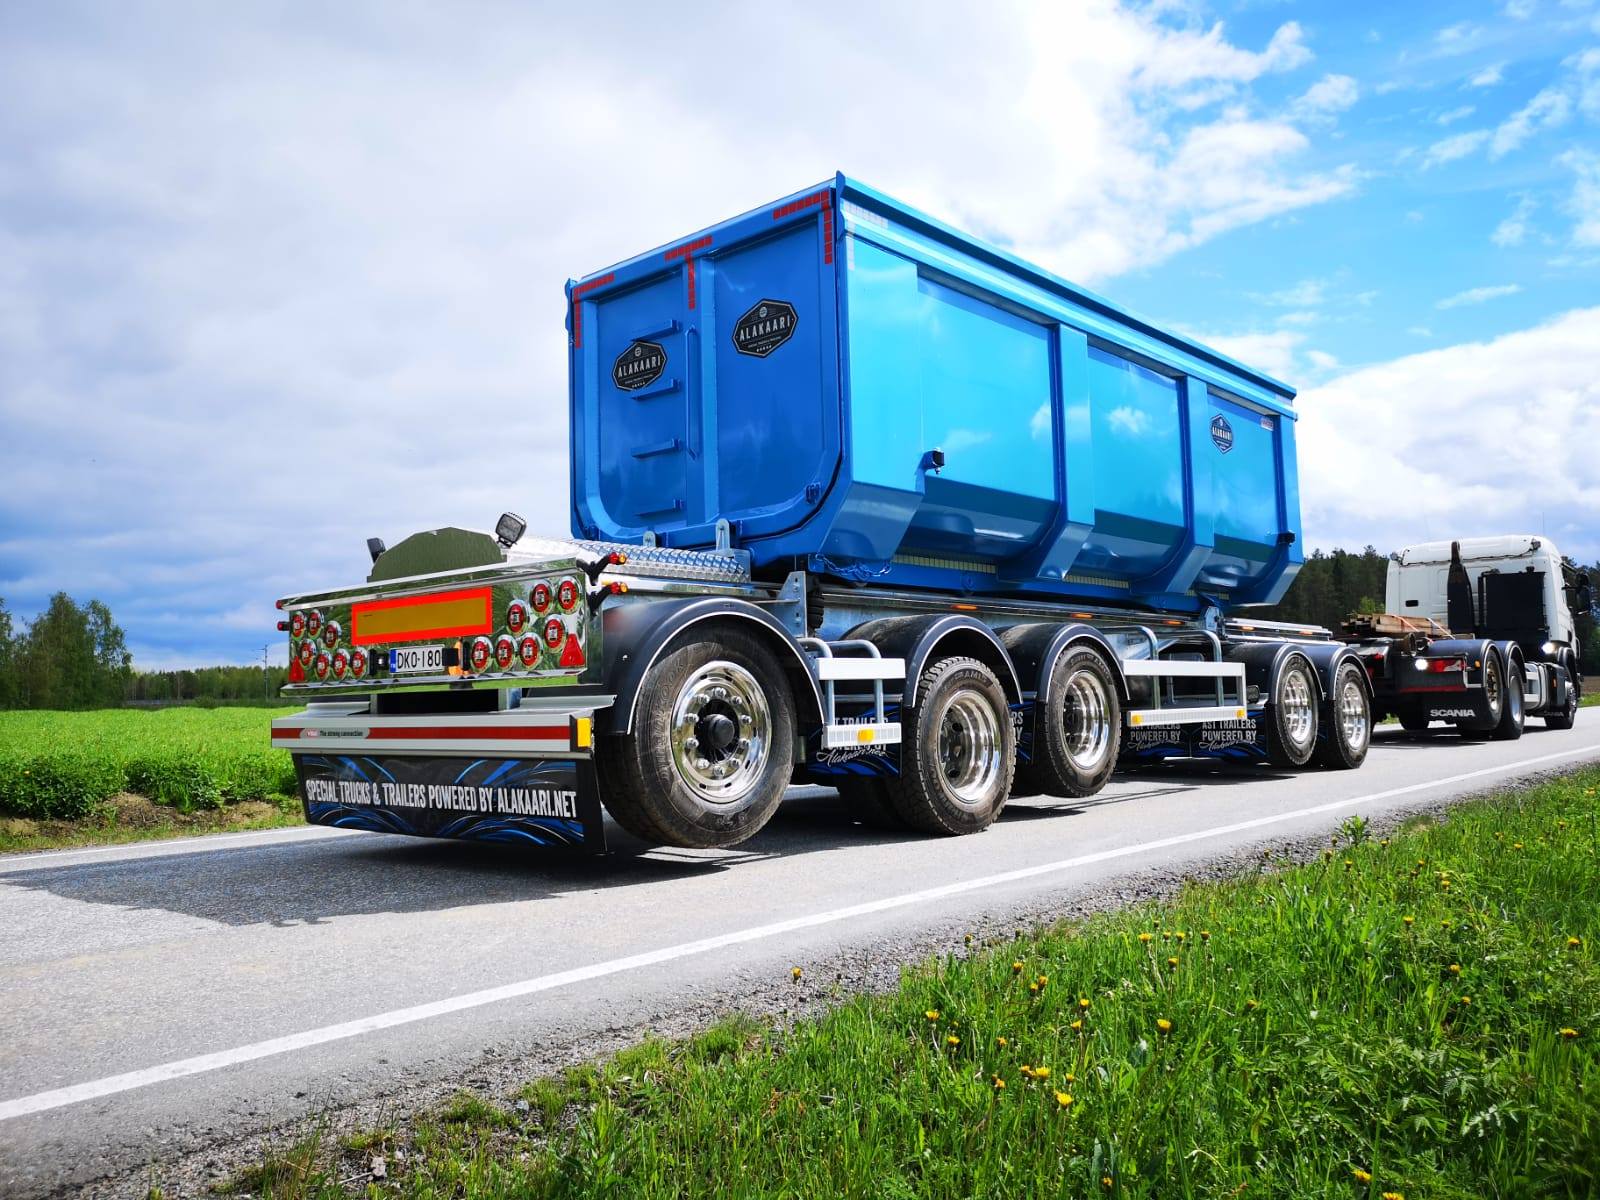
<point x="156" y="999"/>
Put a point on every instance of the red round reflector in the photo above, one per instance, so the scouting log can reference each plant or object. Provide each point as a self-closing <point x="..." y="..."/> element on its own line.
<point x="516" y="616"/>
<point x="528" y="650"/>
<point x="330" y="634"/>
<point x="340" y="663"/>
<point x="358" y="663"/>
<point x="297" y="624"/>
<point x="504" y="651"/>
<point x="554" y="631"/>
<point x="567" y="594"/>
<point x="322" y="666"/>
<point x="479" y="655"/>
<point x="313" y="623"/>
<point x="540" y="596"/>
<point x="308" y="650"/>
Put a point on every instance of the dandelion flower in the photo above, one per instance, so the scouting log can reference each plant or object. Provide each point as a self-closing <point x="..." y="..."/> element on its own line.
<point x="1409" y="921"/>
<point x="1041" y="1072"/>
<point x="1383" y="841"/>
<point x="1001" y="1042"/>
<point x="1569" y="1034"/>
<point x="1445" y="884"/>
<point x="1069" y="1077"/>
<point x="932" y="1014"/>
<point x="1016" y="968"/>
<point x="1173" y="963"/>
<point x="796" y="973"/>
<point x="1063" y="1099"/>
<point x="1205" y="935"/>
<point x="1516" y="845"/>
<point x="1574" y="942"/>
<point x="1083" y="1002"/>
<point x="1361" y="1176"/>
<point x="1466" y="1000"/>
<point x="1164" y="1025"/>
<point x="1027" y="1070"/>
<point x="1180" y="935"/>
<point x="952" y="1040"/>
<point x="1105" y="1182"/>
<point x="1393" y="1196"/>
<point x="1455" y="968"/>
<point x="999" y="1084"/>
<point x="1076" y="1026"/>
<point x="1043" y="979"/>
<point x="1146" y="936"/>
<point x="1252" y="1005"/>
<point x="1033" y="987"/>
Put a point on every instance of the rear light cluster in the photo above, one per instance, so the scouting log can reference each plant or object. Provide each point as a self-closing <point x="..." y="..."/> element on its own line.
<point x="1441" y="666"/>
<point x="545" y="619"/>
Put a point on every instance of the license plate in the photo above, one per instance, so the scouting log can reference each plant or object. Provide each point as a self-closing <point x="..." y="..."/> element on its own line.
<point x="412" y="659"/>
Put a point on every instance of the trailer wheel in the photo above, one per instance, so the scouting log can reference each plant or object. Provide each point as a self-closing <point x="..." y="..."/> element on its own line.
<point x="711" y="748"/>
<point x="1569" y="713"/>
<point x="1513" y="718"/>
<point x="1077" y="728"/>
<point x="957" y="750"/>
<point x="1349" y="722"/>
<point x="1292" y="734"/>
<point x="1494" y="693"/>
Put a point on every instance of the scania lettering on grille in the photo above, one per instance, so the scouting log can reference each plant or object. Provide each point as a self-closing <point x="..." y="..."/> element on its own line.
<point x="765" y="327"/>
<point x="639" y="365"/>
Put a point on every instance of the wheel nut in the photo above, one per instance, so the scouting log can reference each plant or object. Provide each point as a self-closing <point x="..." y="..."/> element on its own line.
<point x="701" y="764"/>
<point x="721" y="693"/>
<point x="692" y="744"/>
<point x="744" y="745"/>
<point x="744" y="718"/>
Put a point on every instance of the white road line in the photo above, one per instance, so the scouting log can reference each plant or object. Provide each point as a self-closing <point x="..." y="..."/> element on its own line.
<point x="111" y="1085"/>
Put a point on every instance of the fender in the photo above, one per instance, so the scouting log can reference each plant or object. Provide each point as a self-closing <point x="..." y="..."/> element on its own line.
<point x="1511" y="656"/>
<point x="1034" y="649"/>
<point x="916" y="639"/>
<point x="1327" y="658"/>
<point x="636" y="634"/>
<point x="1474" y="650"/>
<point x="1263" y="660"/>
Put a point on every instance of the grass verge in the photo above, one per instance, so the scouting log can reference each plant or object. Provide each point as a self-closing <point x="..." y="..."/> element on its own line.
<point x="128" y="818"/>
<point x="1416" y="1016"/>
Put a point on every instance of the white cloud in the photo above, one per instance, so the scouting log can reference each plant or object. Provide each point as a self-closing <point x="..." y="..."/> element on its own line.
<point x="1455" y="114"/>
<point x="1550" y="108"/>
<point x="270" y="284"/>
<point x="1479" y="295"/>
<point x="1277" y="353"/>
<point x="1322" y="360"/>
<point x="1514" y="229"/>
<point x="1377" y="466"/>
<point x="1451" y="148"/>
<point x="1308" y="293"/>
<point x="1519" y="10"/>
<point x="1487" y="77"/>
<point x="1421" y="331"/>
<point x="1329" y="95"/>
<point x="1584" y="203"/>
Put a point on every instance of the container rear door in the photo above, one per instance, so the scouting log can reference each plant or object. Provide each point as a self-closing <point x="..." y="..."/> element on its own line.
<point x="1245" y="450"/>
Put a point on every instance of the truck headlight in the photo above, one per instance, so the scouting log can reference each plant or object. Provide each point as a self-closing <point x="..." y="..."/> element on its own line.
<point x="1548" y="648"/>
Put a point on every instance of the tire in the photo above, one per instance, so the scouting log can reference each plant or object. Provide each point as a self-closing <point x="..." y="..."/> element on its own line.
<point x="1077" y="728"/>
<point x="1412" y="721"/>
<point x="868" y="801"/>
<point x="1292" y="731"/>
<point x="1513" y="715"/>
<point x="957" y="750"/>
<point x="653" y="782"/>
<point x="1494" y="687"/>
<point x="1349" y="717"/>
<point x="1568" y="715"/>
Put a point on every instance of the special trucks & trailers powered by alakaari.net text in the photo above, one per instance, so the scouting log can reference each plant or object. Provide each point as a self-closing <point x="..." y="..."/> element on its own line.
<point x="855" y="499"/>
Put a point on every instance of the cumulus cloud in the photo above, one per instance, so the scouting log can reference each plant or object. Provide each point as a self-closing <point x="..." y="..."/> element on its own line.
<point x="1487" y="77"/>
<point x="1330" y="95"/>
<point x="268" y="285"/>
<point x="1479" y="295"/>
<point x="1514" y="229"/>
<point x="1584" y="203"/>
<point x="1377" y="467"/>
<point x="1451" y="148"/>
<point x="1550" y="108"/>
<point x="1460" y="113"/>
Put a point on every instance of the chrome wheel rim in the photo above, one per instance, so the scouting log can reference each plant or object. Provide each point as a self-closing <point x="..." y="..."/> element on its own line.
<point x="1086" y="718"/>
<point x="1353" y="723"/>
<point x="721" y="732"/>
<point x="1299" y="709"/>
<point x="1491" y="688"/>
<point x="969" y="748"/>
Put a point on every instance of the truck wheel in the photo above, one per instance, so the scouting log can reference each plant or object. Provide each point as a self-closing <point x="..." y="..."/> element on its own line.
<point x="1494" y="694"/>
<point x="1512" y="715"/>
<point x="711" y="748"/>
<point x="957" y="750"/>
<point x="1292" y="732"/>
<point x="1413" y="720"/>
<point x="1077" y="728"/>
<point x="1349" y="717"/>
<point x="1565" y="718"/>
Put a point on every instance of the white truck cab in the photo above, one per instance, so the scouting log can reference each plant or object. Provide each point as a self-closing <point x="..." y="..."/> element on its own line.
<point x="1417" y="582"/>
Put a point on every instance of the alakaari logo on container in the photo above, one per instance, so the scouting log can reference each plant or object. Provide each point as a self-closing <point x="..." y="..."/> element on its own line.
<point x="768" y="325"/>
<point x="639" y="365"/>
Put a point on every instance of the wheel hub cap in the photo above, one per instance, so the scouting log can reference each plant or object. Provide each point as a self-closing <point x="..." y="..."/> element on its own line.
<point x="1087" y="717"/>
<point x="969" y="748"/>
<point x="721" y="732"/>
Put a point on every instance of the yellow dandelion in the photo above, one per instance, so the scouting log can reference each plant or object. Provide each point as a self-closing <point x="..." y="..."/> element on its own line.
<point x="1105" y="1182"/>
<point x="795" y="973"/>
<point x="1043" y="979"/>
<point x="1033" y="987"/>
<point x="1041" y="1072"/>
<point x="952" y="1040"/>
<point x="932" y="1014"/>
<point x="1173" y="963"/>
<point x="1016" y="968"/>
<point x="1205" y="935"/>
<point x="1069" y="1077"/>
<point x="1001" y="1042"/>
<point x="1445" y="884"/>
<point x="1455" y="968"/>
<point x="1180" y="935"/>
<point x="1383" y="841"/>
<point x="1027" y="1070"/>
<point x="1164" y="1025"/>
<point x="1146" y="936"/>
<point x="1252" y="1005"/>
<point x="1569" y="1034"/>
<point x="1076" y="1026"/>
<point x="1393" y="1196"/>
<point x="1361" y="1176"/>
<point x="1561" y="824"/>
<point x="1349" y="864"/>
<point x="1063" y="1099"/>
<point x="1444" y="924"/>
<point x="1409" y="921"/>
<point x="1574" y="942"/>
<point x="1516" y="845"/>
<point x="1466" y="1000"/>
<point x="999" y="1084"/>
<point x="1083" y="1002"/>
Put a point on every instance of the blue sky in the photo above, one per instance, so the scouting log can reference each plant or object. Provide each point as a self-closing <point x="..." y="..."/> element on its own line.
<point x="253" y="257"/>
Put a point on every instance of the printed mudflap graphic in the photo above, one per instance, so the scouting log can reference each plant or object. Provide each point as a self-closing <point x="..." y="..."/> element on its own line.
<point x="536" y="802"/>
<point x="1243" y="741"/>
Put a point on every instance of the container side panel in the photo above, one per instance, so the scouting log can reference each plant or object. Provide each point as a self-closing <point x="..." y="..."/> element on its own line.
<point x="769" y="330"/>
<point x="1244" y="492"/>
<point x="1135" y="424"/>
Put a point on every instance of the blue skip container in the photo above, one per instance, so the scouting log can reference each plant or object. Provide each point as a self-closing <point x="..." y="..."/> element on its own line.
<point x="865" y="393"/>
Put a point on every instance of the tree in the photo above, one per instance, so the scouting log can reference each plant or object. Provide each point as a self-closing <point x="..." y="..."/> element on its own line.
<point x="10" y="684"/>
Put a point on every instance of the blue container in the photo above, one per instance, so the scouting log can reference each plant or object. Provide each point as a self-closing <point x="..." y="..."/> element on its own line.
<point x="799" y="370"/>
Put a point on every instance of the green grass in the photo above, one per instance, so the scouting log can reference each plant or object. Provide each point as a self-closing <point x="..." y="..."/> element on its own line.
<point x="1317" y="1037"/>
<point x="66" y="765"/>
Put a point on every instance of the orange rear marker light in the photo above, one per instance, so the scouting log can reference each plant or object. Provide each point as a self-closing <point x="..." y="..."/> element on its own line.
<point x="965" y="607"/>
<point x="417" y="618"/>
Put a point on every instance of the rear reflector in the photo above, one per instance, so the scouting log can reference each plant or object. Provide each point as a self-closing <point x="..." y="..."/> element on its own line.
<point x="415" y="618"/>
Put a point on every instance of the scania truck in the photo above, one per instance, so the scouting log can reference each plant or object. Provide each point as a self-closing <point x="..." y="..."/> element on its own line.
<point x="856" y="500"/>
<point x="1479" y="634"/>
